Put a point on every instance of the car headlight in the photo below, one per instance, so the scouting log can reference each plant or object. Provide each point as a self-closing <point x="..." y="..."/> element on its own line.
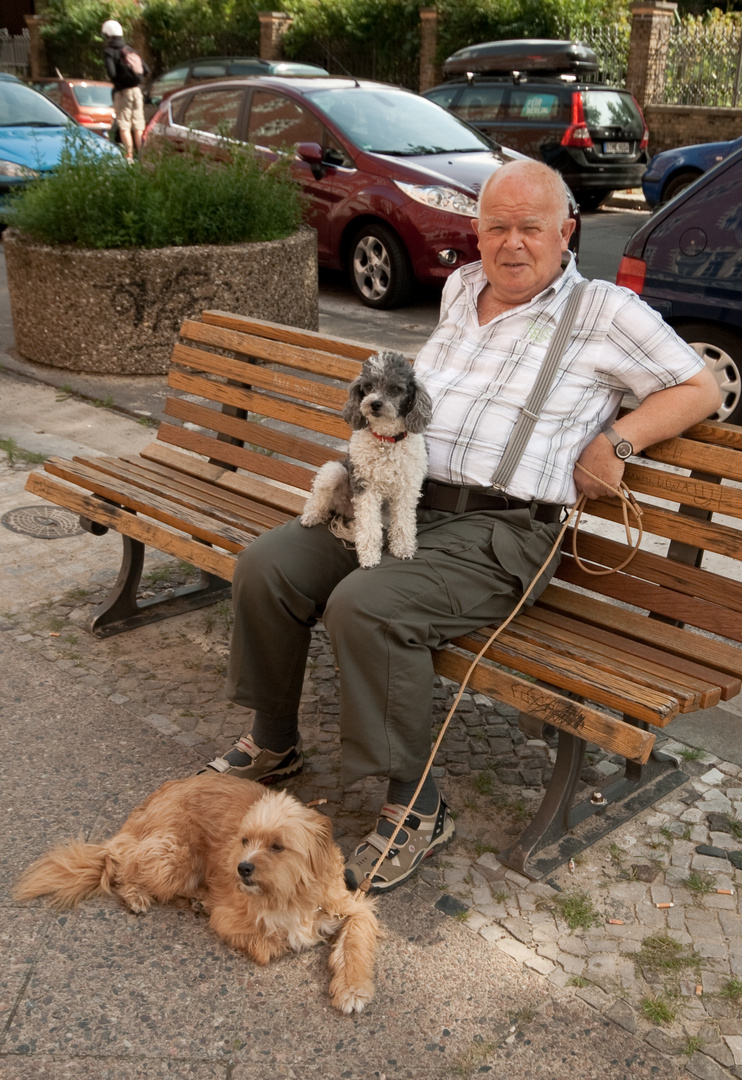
<point x="12" y="168"/>
<point x="440" y="198"/>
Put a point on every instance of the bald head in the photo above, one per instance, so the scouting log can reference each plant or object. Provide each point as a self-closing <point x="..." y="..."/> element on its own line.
<point x="529" y="173"/>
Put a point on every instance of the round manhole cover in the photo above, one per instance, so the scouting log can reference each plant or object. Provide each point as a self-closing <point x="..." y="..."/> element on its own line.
<point x="43" y="522"/>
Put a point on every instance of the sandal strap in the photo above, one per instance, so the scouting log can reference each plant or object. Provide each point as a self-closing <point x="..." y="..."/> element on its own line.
<point x="220" y="764"/>
<point x="379" y="842"/>
<point x="246" y="747"/>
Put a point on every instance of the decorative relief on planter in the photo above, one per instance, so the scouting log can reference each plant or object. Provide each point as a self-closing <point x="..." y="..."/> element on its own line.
<point x="118" y="312"/>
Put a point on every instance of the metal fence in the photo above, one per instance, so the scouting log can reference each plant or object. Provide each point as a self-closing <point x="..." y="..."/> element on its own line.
<point x="611" y="46"/>
<point x="15" y="53"/>
<point x="703" y="65"/>
<point x="397" y="63"/>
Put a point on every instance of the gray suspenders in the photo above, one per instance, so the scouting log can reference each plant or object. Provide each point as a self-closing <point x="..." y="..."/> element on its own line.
<point x="531" y="411"/>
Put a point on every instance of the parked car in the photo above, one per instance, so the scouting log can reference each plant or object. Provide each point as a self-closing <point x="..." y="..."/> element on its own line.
<point x="672" y="171"/>
<point x="686" y="262"/>
<point x="531" y="95"/>
<point x="33" y="131"/>
<point x="88" y="102"/>
<point x="208" y="68"/>
<point x="390" y="179"/>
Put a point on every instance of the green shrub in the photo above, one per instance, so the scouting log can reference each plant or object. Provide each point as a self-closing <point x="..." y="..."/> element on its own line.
<point x="169" y="199"/>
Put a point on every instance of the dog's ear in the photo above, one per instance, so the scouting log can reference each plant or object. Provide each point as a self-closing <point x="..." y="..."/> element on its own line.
<point x="321" y="853"/>
<point x="421" y="409"/>
<point x="352" y="414"/>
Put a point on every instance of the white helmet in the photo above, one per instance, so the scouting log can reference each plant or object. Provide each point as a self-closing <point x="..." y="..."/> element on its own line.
<point x="111" y="28"/>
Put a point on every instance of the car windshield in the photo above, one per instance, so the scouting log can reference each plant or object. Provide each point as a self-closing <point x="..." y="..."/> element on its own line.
<point x="22" y="107"/>
<point x="94" y="97"/>
<point x="387" y="121"/>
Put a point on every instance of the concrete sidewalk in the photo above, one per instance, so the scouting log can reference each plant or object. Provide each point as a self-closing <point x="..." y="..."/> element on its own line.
<point x="479" y="973"/>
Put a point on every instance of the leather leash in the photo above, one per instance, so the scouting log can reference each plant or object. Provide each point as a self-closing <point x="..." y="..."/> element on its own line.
<point x="629" y="505"/>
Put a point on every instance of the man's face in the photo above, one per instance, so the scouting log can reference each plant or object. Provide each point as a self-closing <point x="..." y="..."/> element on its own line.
<point x="521" y="237"/>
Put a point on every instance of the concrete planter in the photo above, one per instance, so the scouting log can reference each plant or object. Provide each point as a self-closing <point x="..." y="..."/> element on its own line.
<point x="118" y="312"/>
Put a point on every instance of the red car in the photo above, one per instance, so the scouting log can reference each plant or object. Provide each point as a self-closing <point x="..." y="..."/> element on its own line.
<point x="87" y="101"/>
<point x="391" y="178"/>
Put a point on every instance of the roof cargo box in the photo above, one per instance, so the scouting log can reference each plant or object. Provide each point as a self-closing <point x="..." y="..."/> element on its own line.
<point x="526" y="55"/>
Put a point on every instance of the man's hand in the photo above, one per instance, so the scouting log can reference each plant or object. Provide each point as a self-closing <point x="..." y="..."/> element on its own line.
<point x="600" y="459"/>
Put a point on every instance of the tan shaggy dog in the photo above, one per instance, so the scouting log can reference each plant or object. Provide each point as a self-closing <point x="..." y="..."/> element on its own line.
<point x="262" y="865"/>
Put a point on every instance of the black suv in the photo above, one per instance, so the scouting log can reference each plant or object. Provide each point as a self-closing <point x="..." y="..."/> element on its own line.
<point x="686" y="262"/>
<point x="534" y="96"/>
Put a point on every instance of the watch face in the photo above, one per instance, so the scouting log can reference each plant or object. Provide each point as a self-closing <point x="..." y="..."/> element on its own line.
<point x="624" y="450"/>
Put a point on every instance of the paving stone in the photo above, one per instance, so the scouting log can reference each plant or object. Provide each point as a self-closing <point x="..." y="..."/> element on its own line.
<point x="704" y="1068"/>
<point x="622" y="1014"/>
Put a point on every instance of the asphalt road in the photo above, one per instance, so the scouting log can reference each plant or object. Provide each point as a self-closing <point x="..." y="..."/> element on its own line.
<point x="604" y="236"/>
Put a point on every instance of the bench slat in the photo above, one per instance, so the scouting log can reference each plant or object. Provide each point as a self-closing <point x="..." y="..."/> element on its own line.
<point x="613" y="642"/>
<point x="308" y="339"/>
<point x="607" y="688"/>
<point x="659" y="601"/>
<point x="311" y="360"/>
<point x="276" y="495"/>
<point x="269" y="438"/>
<point x="320" y="420"/>
<point x="699" y="457"/>
<point x="685" y="490"/>
<point x="658" y="569"/>
<point x="314" y="392"/>
<point x="676" y="526"/>
<point x="154" y="506"/>
<point x="612" y="734"/>
<point x="148" y="532"/>
<point x="249" y="460"/>
<point x="691" y="693"/>
<point x="184" y="491"/>
<point x="716" y="433"/>
<point x="634" y="625"/>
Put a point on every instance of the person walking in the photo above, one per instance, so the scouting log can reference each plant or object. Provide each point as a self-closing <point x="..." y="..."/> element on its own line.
<point x="127" y="71"/>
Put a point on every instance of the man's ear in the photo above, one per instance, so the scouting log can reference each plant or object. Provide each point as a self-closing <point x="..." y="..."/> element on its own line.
<point x="568" y="227"/>
<point x="475" y="226"/>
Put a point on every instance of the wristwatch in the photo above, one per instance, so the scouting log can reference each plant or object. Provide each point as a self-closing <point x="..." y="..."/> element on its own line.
<point x="622" y="447"/>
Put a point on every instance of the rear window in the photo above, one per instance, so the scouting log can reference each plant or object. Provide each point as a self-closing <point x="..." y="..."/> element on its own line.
<point x="533" y="105"/>
<point x="94" y="97"/>
<point x="480" y="102"/>
<point x="214" y="111"/>
<point x="607" y="108"/>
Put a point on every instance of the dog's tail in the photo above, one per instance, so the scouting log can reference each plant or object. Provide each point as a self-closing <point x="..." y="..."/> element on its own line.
<point x="67" y="874"/>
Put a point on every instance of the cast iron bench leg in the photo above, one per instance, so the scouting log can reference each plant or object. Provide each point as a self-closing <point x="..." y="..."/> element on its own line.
<point x="122" y="611"/>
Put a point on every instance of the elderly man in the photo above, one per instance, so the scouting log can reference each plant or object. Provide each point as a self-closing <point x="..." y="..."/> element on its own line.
<point x="479" y="547"/>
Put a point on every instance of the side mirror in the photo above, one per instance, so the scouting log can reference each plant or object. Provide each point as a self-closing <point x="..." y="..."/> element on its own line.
<point x="312" y="153"/>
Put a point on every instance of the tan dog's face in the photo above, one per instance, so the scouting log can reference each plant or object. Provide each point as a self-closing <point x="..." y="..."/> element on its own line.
<point x="281" y="846"/>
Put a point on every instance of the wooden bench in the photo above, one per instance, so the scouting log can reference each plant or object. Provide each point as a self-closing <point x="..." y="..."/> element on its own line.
<point x="603" y="660"/>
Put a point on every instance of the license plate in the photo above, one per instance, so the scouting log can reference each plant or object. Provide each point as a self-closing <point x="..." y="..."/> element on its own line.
<point x="616" y="148"/>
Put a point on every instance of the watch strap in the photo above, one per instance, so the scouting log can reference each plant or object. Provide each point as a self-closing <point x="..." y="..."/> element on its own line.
<point x="611" y="434"/>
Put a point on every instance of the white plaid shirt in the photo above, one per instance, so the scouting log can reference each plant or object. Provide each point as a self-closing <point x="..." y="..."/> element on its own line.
<point x="479" y="377"/>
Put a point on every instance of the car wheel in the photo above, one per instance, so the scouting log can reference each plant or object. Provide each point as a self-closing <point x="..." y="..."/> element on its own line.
<point x="678" y="183"/>
<point x="722" y="351"/>
<point x="379" y="267"/>
<point x="591" y="200"/>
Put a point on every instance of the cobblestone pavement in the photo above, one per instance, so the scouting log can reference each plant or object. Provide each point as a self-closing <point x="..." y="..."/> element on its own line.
<point x="643" y="927"/>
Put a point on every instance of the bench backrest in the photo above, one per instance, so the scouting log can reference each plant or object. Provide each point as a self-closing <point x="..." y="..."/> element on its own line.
<point x="266" y="400"/>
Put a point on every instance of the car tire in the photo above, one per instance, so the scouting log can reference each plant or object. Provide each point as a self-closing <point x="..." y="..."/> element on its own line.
<point x="379" y="267"/>
<point x="722" y="351"/>
<point x="678" y="183"/>
<point x="591" y="200"/>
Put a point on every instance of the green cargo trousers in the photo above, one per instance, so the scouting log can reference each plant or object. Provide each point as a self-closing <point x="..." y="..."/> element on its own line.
<point x="383" y="622"/>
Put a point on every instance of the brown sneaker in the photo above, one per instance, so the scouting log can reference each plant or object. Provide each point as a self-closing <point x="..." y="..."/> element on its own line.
<point x="250" y="762"/>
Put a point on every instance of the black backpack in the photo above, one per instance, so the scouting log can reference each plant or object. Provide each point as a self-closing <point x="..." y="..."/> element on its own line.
<point x="130" y="67"/>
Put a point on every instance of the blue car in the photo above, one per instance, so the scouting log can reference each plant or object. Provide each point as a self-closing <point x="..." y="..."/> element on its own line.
<point x="33" y="131"/>
<point x="672" y="171"/>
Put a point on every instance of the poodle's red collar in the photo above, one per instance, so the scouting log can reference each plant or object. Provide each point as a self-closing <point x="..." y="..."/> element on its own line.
<point x="390" y="438"/>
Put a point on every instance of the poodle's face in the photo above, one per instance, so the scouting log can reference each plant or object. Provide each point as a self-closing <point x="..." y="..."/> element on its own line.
<point x="387" y="391"/>
<point x="281" y="846"/>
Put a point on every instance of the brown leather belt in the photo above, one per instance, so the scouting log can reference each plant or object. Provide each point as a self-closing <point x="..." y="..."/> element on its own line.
<point x="454" y="499"/>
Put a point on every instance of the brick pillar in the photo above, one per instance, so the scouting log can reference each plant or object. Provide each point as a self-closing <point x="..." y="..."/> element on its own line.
<point x="273" y="25"/>
<point x="38" y="58"/>
<point x="650" y="33"/>
<point x="428" y="44"/>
